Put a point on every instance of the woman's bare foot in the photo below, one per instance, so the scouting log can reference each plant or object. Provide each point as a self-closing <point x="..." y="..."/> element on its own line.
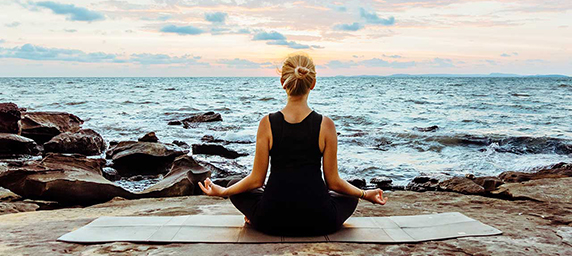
<point x="246" y="220"/>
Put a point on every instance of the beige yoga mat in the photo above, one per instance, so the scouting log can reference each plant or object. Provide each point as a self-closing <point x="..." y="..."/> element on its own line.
<point x="231" y="229"/>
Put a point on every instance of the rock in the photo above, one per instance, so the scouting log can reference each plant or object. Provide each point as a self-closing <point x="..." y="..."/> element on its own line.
<point x="15" y="145"/>
<point x="461" y="185"/>
<point x="86" y="142"/>
<point x="43" y="126"/>
<point x="16" y="207"/>
<point x="9" y="118"/>
<point x="181" y="180"/>
<point x="225" y="180"/>
<point x="110" y="174"/>
<point x="221" y="170"/>
<point x="149" y="137"/>
<point x="211" y="139"/>
<point x="488" y="183"/>
<point x="470" y="176"/>
<point x="358" y="182"/>
<point x="133" y="158"/>
<point x="213" y="149"/>
<point x="206" y="117"/>
<point x="542" y="190"/>
<point x="382" y="182"/>
<point x="7" y="195"/>
<point x="423" y="183"/>
<point x="181" y="144"/>
<point x="427" y="129"/>
<point x="175" y="122"/>
<point x="67" y="179"/>
<point x="559" y="170"/>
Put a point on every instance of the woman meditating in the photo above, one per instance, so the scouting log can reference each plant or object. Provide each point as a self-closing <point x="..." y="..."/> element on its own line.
<point x="297" y="140"/>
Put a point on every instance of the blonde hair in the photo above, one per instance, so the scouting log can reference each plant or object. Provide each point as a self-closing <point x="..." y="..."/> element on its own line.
<point x="298" y="74"/>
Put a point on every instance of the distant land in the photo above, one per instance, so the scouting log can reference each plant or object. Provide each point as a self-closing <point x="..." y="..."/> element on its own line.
<point x="464" y="75"/>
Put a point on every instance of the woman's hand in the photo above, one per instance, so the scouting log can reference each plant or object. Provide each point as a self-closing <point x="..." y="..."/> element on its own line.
<point x="212" y="189"/>
<point x="375" y="196"/>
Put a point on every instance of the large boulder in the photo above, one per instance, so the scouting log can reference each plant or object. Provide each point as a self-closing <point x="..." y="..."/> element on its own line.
<point x="213" y="149"/>
<point x="423" y="183"/>
<point x="206" y="117"/>
<point x="461" y="185"/>
<point x="560" y="170"/>
<point x="15" y="145"/>
<point x="85" y="142"/>
<point x="67" y="179"/>
<point x="43" y="126"/>
<point x="140" y="158"/>
<point x="181" y="180"/>
<point x="9" y="117"/>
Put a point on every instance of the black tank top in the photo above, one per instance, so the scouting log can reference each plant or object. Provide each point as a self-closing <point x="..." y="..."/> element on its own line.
<point x="296" y="195"/>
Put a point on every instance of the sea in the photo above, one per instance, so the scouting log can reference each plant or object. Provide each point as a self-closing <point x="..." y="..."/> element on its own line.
<point x="484" y="125"/>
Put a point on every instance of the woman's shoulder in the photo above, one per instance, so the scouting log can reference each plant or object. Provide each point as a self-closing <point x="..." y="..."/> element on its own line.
<point x="327" y="122"/>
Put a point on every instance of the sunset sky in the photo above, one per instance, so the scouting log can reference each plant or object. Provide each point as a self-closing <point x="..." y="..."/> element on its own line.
<point x="251" y="38"/>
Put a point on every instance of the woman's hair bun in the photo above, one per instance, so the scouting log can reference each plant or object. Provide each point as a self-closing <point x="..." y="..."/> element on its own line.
<point x="301" y="72"/>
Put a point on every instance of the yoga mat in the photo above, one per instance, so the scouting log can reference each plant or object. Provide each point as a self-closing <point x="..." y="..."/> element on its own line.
<point x="232" y="229"/>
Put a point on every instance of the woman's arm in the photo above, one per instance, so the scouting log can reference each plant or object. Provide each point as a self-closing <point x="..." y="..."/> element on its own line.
<point x="330" y="164"/>
<point x="258" y="175"/>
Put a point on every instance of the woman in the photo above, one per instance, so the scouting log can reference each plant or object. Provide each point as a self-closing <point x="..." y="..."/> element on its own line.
<point x="295" y="201"/>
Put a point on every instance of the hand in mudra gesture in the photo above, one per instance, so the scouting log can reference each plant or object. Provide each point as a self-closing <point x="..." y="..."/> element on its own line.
<point x="375" y="196"/>
<point x="211" y="189"/>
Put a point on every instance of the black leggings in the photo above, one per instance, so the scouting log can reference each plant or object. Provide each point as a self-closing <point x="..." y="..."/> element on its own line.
<point x="245" y="202"/>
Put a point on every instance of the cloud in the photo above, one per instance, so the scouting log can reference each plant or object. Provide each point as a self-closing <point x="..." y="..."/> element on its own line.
<point x="72" y="12"/>
<point x="393" y="56"/>
<point x="372" y="18"/>
<point x="506" y="55"/>
<point x="39" y="53"/>
<point x="348" y="27"/>
<point x="290" y="44"/>
<point x="242" y="63"/>
<point x="374" y="62"/>
<point x="182" y="30"/>
<point x="13" y="24"/>
<point x="339" y="8"/>
<point x="2" y="41"/>
<point x="70" y="30"/>
<point x="216" y="17"/>
<point x="264" y="36"/>
<point x="442" y="63"/>
<point x="157" y="59"/>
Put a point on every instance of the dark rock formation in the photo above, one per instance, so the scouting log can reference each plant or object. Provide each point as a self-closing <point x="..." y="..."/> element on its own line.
<point x="9" y="117"/>
<point x="181" y="180"/>
<point x="110" y="174"/>
<point x="225" y="180"/>
<point x="12" y="145"/>
<point x="181" y="144"/>
<point x="560" y="170"/>
<point x="70" y="180"/>
<point x="175" y="122"/>
<point x="211" y="139"/>
<point x="382" y="182"/>
<point x="461" y="185"/>
<point x="206" y="117"/>
<point x="86" y="142"/>
<point x="423" y="183"/>
<point x="427" y="129"/>
<point x="358" y="182"/>
<point x="43" y="126"/>
<point x="489" y="183"/>
<point x="149" y="137"/>
<point x="139" y="158"/>
<point x="213" y="149"/>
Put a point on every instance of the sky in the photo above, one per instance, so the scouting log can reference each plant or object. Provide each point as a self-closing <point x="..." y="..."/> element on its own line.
<point x="252" y="38"/>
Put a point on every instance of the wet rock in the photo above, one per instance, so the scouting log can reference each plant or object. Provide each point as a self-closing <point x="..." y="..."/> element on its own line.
<point x="221" y="171"/>
<point x="67" y="179"/>
<point x="86" y="142"/>
<point x="358" y="182"/>
<point x="427" y="129"/>
<point x="181" y="144"/>
<point x="9" y="117"/>
<point x="13" y="145"/>
<point x="533" y="145"/>
<point x="211" y="139"/>
<point x="423" y="183"/>
<point x="206" y="117"/>
<point x="560" y="170"/>
<point x="175" y="122"/>
<point x="181" y="180"/>
<point x="110" y="174"/>
<point x="141" y="158"/>
<point x="382" y="182"/>
<point x="461" y="185"/>
<point x="213" y="149"/>
<point x="149" y="137"/>
<point x="43" y="126"/>
<point x="470" y="176"/>
<point x="488" y="183"/>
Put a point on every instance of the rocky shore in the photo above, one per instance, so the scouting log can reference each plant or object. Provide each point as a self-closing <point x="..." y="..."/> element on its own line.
<point x="56" y="176"/>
